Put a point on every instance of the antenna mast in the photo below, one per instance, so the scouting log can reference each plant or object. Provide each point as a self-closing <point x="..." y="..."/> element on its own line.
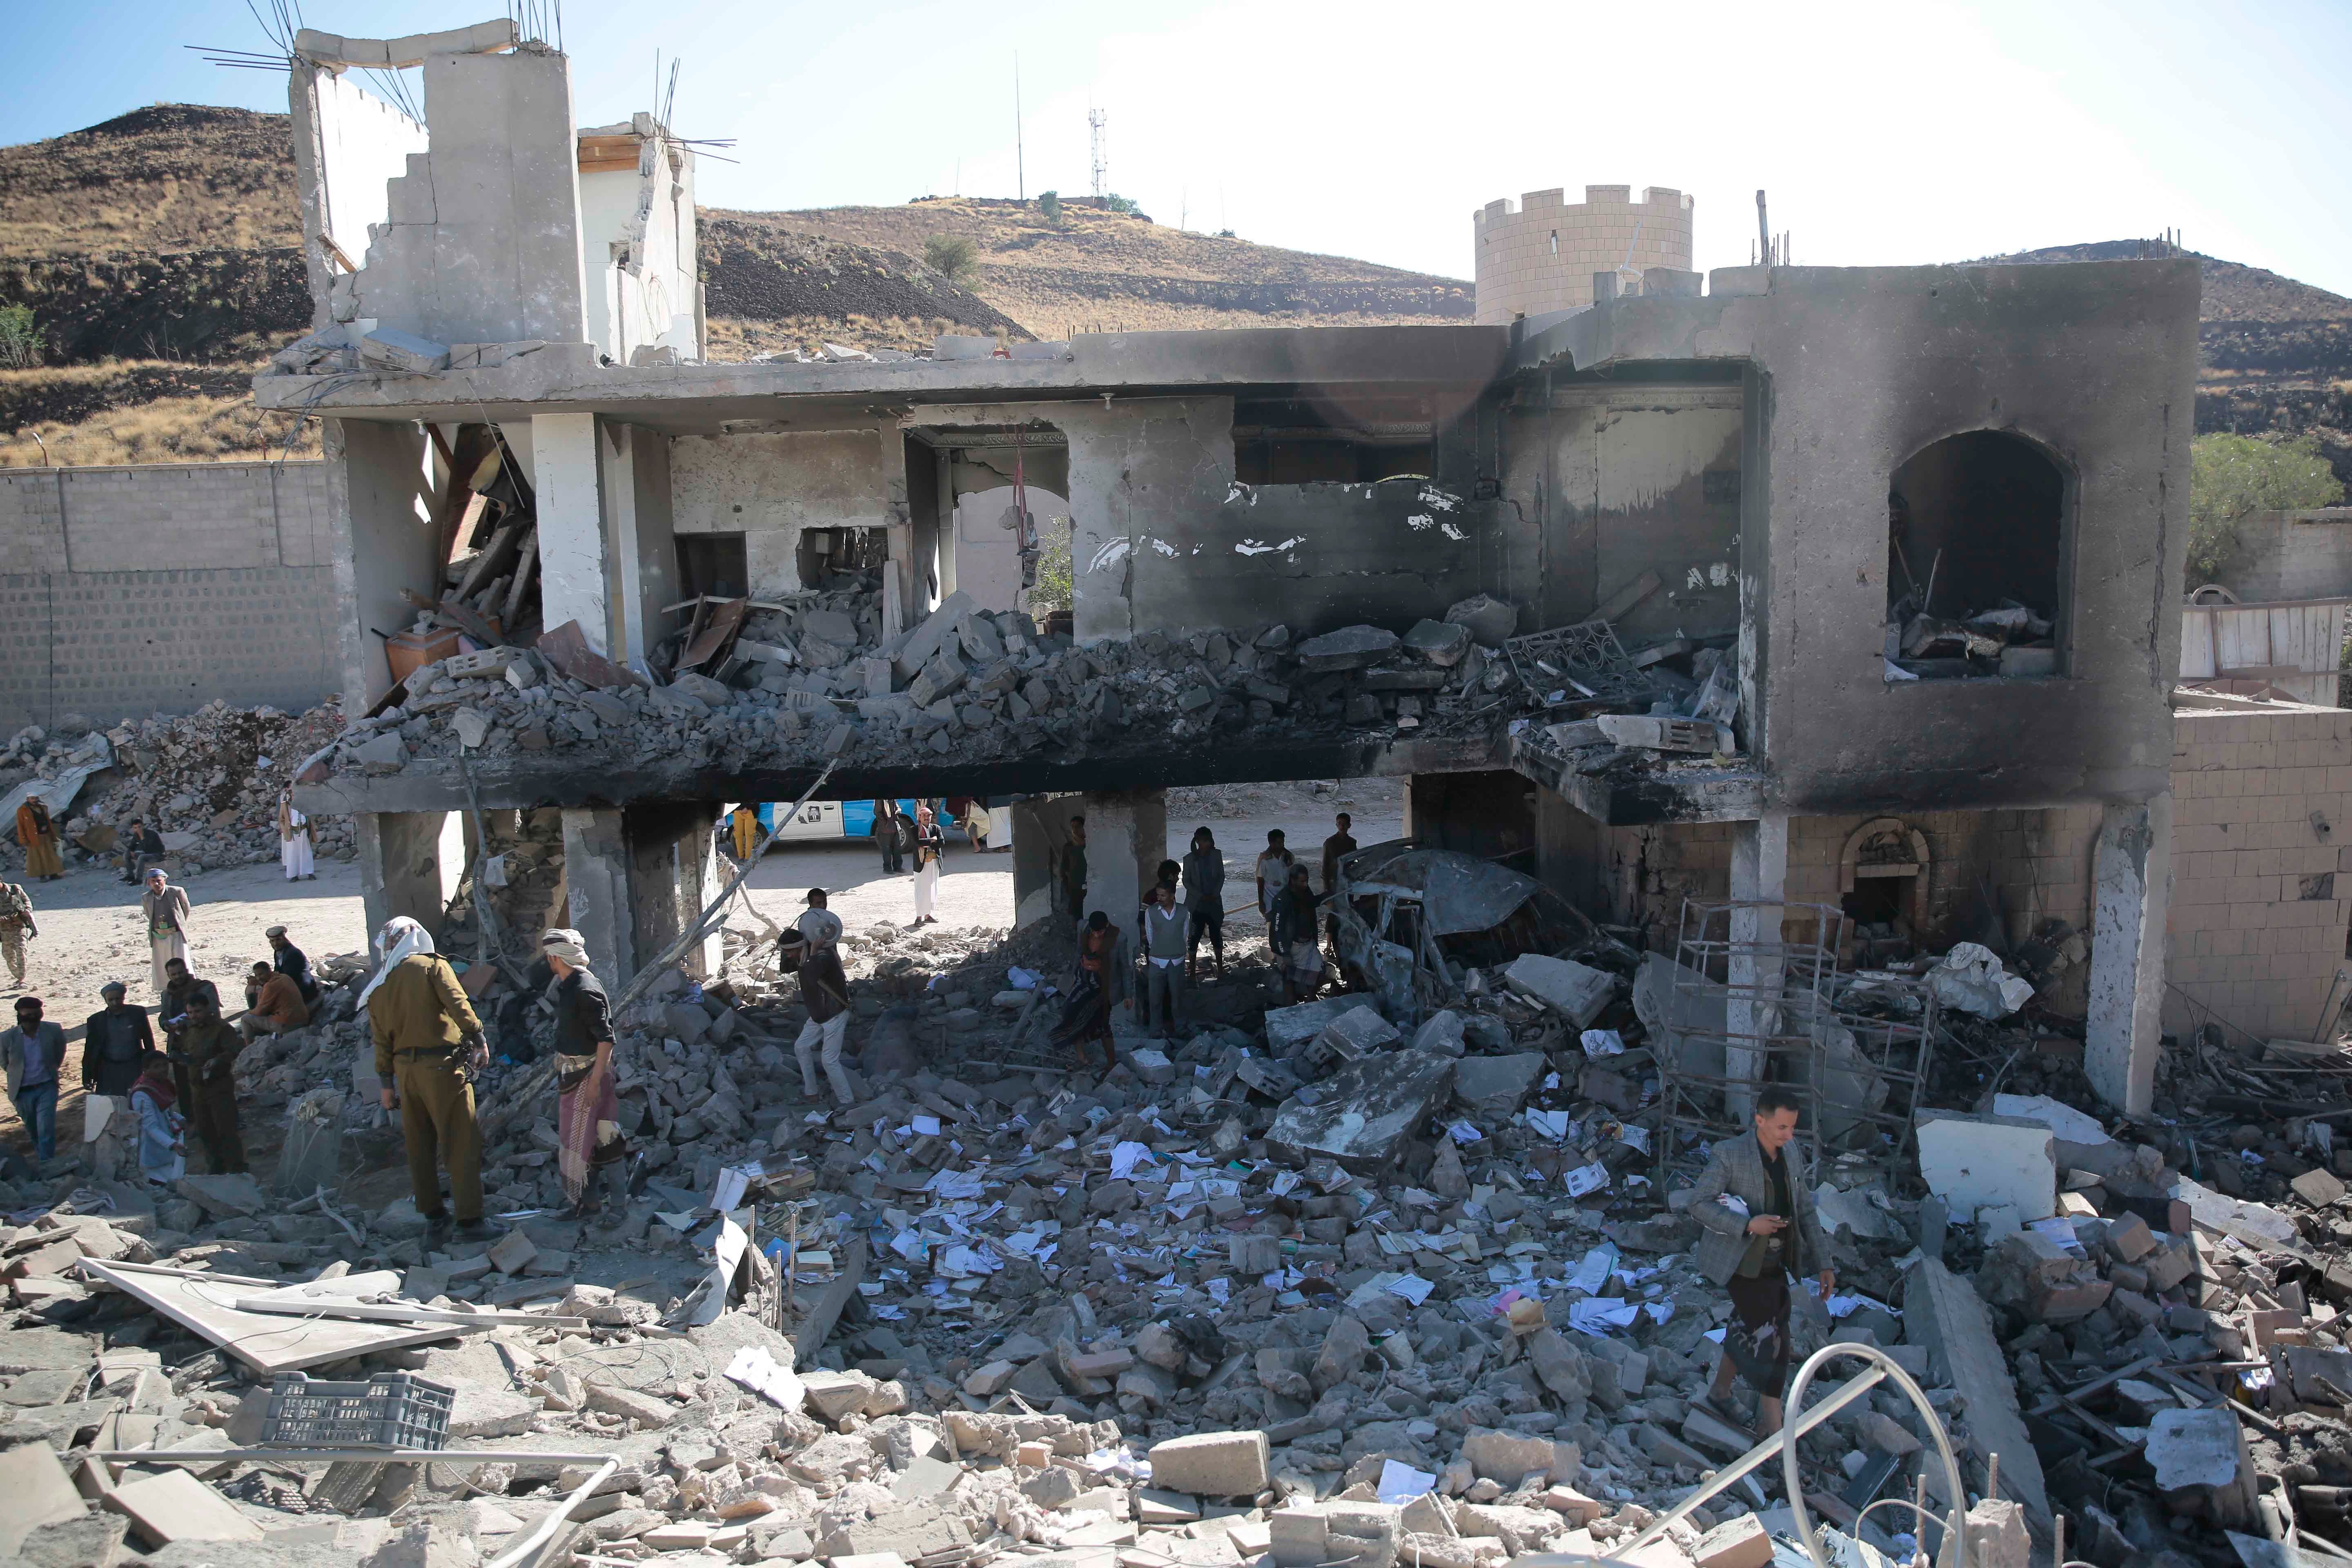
<point x="1096" y="122"/>
<point x="1019" y="168"/>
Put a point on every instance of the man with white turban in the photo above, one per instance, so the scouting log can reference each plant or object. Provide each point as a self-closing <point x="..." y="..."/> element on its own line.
<point x="588" y="1138"/>
<point x="428" y="1046"/>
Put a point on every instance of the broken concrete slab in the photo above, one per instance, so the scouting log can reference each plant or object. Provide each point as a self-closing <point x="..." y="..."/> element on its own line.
<point x="1976" y="1162"/>
<point x="2201" y="1463"/>
<point x="225" y="1197"/>
<point x="1942" y="1312"/>
<point x="38" y="1492"/>
<point x="1575" y="990"/>
<point x="1492" y="1088"/>
<point x="1741" y="1542"/>
<point x="175" y="1506"/>
<point x="1212" y="1464"/>
<point x="1364" y="1112"/>
<point x="1350" y="648"/>
<point x="1491" y="621"/>
<point x="1288" y="1030"/>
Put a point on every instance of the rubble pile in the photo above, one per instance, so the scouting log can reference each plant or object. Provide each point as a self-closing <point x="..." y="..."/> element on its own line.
<point x="1297" y="1283"/>
<point x="208" y="782"/>
<point x="770" y="682"/>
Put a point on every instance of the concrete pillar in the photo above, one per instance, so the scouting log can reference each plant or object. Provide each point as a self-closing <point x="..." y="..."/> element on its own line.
<point x="411" y="863"/>
<point x="673" y="873"/>
<point x="1759" y="872"/>
<point x="1038" y="825"/>
<point x="2131" y="869"/>
<point x="575" y="581"/>
<point x="641" y="547"/>
<point x="1127" y="837"/>
<point x="596" y="884"/>
<point x="380" y="517"/>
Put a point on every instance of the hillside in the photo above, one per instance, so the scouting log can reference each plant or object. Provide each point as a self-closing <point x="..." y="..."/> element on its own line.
<point x="1097" y="270"/>
<point x="157" y="253"/>
<point x="2275" y="355"/>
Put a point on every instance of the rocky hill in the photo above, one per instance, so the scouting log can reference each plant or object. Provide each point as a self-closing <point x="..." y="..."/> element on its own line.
<point x="157" y="254"/>
<point x="2277" y="354"/>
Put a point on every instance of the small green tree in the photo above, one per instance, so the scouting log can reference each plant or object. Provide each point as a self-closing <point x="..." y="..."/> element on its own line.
<point x="20" y="339"/>
<point x="1049" y="205"/>
<point x="1056" y="587"/>
<point x="950" y="256"/>
<point x="1118" y="203"/>
<point x="2231" y="477"/>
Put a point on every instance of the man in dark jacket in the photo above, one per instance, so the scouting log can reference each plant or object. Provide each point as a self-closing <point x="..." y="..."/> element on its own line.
<point x="142" y="847"/>
<point x="885" y="837"/>
<point x="114" y="1040"/>
<point x="1204" y="901"/>
<point x="292" y="962"/>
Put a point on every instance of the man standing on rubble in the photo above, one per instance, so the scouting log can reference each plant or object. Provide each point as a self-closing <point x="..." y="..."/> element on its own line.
<point x="1160" y="930"/>
<point x="426" y="1033"/>
<point x="1204" y="872"/>
<point x="1755" y="1201"/>
<point x="588" y="1138"/>
<point x="180" y="988"/>
<point x="744" y="824"/>
<point x="208" y="1049"/>
<point x="35" y="1050"/>
<point x="1273" y="867"/>
<point x="38" y="834"/>
<point x="166" y="909"/>
<point x="16" y="925"/>
<point x="812" y="949"/>
<point x="1292" y="923"/>
<point x="115" y="1044"/>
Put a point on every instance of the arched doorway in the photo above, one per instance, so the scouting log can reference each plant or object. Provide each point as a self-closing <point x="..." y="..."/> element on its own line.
<point x="1976" y="560"/>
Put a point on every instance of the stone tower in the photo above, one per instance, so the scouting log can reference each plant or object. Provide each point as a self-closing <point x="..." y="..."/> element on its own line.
<point x="1541" y="255"/>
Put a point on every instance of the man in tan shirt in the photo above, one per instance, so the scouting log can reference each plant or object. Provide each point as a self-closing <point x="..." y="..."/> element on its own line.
<point x="428" y="1045"/>
<point x="273" y="1003"/>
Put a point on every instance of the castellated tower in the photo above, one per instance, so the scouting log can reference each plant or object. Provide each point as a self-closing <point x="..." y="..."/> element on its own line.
<point x="1541" y="255"/>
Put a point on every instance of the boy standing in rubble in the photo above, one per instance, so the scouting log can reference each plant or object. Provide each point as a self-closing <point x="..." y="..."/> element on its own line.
<point x="1754" y="1202"/>
<point x="812" y="949"/>
<point x="426" y="1033"/>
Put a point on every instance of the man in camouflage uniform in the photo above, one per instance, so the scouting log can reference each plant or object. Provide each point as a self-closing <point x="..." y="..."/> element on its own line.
<point x="16" y="925"/>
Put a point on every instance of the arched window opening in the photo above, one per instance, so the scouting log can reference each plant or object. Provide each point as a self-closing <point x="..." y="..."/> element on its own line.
<point x="1975" y="560"/>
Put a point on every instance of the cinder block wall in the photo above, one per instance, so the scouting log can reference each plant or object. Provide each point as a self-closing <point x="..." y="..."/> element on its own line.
<point x="1541" y="255"/>
<point x="128" y="591"/>
<point x="2262" y="819"/>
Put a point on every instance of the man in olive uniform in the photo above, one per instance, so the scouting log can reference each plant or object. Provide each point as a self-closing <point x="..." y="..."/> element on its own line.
<point x="208" y="1046"/>
<point x="428" y="1045"/>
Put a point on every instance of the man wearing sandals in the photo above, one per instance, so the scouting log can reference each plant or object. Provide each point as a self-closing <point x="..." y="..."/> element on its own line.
<point x="1754" y="1202"/>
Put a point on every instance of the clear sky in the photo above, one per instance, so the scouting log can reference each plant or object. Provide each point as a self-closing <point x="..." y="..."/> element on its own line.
<point x="1884" y="133"/>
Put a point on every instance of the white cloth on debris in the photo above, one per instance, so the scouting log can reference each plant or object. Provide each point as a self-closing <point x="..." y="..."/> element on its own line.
<point x="1971" y="979"/>
<point x="294" y="854"/>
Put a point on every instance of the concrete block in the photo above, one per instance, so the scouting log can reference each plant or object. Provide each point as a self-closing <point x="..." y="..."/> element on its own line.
<point x="1492" y="1088"/>
<point x="1943" y="1313"/>
<point x="645" y="1409"/>
<point x="1359" y="1032"/>
<point x="512" y="1253"/>
<point x="1212" y="1464"/>
<point x="1364" y="1112"/>
<point x="1739" y="1543"/>
<point x="175" y="1506"/>
<point x="1573" y="990"/>
<point x="388" y="348"/>
<point x="1298" y="1537"/>
<point x="2318" y="1188"/>
<point x="1989" y="1162"/>
<point x="38" y="1492"/>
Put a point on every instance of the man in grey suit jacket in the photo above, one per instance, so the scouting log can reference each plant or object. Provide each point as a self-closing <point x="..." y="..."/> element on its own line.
<point x="1755" y="1203"/>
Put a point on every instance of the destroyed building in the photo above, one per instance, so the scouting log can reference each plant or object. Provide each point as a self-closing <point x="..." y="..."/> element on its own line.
<point x="1843" y="586"/>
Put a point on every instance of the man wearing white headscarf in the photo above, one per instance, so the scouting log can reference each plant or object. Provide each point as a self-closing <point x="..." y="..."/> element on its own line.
<point x="428" y="1045"/>
<point x="588" y="1137"/>
<point x="812" y="949"/>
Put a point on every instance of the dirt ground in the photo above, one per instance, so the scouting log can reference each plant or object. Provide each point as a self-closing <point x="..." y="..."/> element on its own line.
<point x="92" y="929"/>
